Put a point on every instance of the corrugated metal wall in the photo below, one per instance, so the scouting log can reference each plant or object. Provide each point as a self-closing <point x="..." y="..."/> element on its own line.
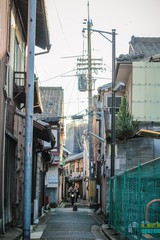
<point x="145" y="91"/>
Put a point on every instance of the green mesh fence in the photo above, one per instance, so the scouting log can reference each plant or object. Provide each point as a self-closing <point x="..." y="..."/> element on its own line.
<point x="135" y="202"/>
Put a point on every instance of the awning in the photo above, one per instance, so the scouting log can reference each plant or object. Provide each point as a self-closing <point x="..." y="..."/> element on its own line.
<point x="148" y="133"/>
<point x="42" y="130"/>
<point x="74" y="157"/>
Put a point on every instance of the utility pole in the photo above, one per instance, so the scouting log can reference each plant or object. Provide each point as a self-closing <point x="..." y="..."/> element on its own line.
<point x="113" y="130"/>
<point x="29" y="118"/>
<point x="88" y="65"/>
<point x="90" y="118"/>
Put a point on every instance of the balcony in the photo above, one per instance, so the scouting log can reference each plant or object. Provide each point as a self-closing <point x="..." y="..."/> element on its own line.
<point x="19" y="84"/>
<point x="19" y="91"/>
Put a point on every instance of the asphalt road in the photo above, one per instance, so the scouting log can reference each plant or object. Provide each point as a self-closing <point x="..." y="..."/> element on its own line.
<point x="66" y="224"/>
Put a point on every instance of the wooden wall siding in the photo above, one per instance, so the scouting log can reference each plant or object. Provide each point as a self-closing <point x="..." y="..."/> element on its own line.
<point x="4" y="13"/>
<point x="10" y="164"/>
<point x="3" y="47"/>
<point x="19" y="133"/>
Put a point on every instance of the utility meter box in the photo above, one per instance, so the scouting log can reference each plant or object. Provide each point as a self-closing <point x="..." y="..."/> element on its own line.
<point x="82" y="83"/>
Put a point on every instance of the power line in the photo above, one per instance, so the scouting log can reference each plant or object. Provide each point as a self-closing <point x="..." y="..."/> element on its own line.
<point x="61" y="75"/>
<point x="70" y="97"/>
<point x="60" y="22"/>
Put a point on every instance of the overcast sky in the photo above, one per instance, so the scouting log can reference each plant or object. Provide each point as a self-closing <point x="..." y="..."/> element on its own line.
<point x="140" y="18"/>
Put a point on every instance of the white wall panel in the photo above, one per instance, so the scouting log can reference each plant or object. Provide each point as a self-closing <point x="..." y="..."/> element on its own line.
<point x="146" y="91"/>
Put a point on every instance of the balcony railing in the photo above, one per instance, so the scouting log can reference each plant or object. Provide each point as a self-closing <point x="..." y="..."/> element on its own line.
<point x="19" y="84"/>
<point x="19" y="79"/>
<point x="19" y="91"/>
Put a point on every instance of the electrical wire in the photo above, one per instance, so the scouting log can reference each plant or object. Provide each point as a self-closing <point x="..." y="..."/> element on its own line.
<point x="58" y="76"/>
<point x="60" y="22"/>
<point x="70" y="97"/>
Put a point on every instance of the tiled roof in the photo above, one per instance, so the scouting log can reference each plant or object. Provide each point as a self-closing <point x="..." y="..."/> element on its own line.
<point x="52" y="102"/>
<point x="149" y="46"/>
<point x="105" y="86"/>
<point x="74" y="157"/>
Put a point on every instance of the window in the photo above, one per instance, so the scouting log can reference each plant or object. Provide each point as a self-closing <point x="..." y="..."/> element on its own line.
<point x="17" y="56"/>
<point x="72" y="166"/>
<point x="117" y="103"/>
<point x="81" y="169"/>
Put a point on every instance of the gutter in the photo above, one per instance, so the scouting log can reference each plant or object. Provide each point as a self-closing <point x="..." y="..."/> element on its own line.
<point x="48" y="49"/>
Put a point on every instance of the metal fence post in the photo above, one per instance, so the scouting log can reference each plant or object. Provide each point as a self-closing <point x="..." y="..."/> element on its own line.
<point x="110" y="203"/>
<point x="124" y="203"/>
<point x="139" y="200"/>
<point x="115" y="203"/>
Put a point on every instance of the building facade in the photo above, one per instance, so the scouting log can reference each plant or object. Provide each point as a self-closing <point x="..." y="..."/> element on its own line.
<point x="13" y="69"/>
<point x="53" y="105"/>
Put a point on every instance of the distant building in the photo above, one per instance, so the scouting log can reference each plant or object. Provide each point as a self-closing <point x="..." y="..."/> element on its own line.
<point x="52" y="103"/>
<point x="13" y="88"/>
<point x="74" y="133"/>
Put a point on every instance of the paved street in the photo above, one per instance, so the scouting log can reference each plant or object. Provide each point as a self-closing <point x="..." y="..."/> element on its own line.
<point x="66" y="224"/>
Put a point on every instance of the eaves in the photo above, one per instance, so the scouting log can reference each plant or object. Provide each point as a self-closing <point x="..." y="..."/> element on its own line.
<point x="42" y="32"/>
<point x="74" y="157"/>
<point x="123" y="71"/>
<point x="41" y="130"/>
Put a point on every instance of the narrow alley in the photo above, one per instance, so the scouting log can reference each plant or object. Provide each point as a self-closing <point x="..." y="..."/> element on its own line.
<point x="79" y="120"/>
<point x="67" y="223"/>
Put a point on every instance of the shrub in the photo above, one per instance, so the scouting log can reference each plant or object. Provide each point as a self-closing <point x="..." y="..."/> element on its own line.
<point x="125" y="126"/>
